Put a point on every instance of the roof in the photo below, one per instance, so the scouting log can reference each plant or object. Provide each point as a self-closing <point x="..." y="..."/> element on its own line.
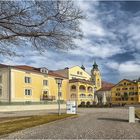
<point x="106" y="86"/>
<point x="29" y="68"/>
<point x="105" y="89"/>
<point x="62" y="72"/>
<point x="80" y="80"/>
<point x="52" y="73"/>
<point x="3" y="65"/>
<point x="32" y="69"/>
<point x="125" y="80"/>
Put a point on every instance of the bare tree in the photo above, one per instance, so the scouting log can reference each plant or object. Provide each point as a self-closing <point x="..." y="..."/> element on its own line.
<point x="43" y="23"/>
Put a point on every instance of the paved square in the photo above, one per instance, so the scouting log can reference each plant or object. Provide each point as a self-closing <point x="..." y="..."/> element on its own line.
<point x="91" y="123"/>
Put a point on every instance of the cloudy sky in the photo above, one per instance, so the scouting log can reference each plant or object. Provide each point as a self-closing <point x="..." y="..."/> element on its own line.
<point x="111" y="37"/>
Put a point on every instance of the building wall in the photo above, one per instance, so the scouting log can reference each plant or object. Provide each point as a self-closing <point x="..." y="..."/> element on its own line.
<point x="4" y="72"/>
<point x="77" y="72"/>
<point x="54" y="88"/>
<point x="138" y="92"/>
<point x="125" y="92"/>
<point x="18" y="85"/>
<point x="96" y="77"/>
<point x="100" y="95"/>
<point x="63" y="72"/>
<point x="78" y="92"/>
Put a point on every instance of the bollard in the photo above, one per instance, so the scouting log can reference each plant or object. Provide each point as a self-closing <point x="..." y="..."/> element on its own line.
<point x="131" y="115"/>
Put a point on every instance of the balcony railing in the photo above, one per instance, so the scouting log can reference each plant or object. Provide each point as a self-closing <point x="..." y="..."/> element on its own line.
<point x="49" y="98"/>
<point x="82" y="90"/>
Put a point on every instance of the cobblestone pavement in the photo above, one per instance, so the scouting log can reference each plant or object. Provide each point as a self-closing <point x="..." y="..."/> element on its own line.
<point x="91" y="123"/>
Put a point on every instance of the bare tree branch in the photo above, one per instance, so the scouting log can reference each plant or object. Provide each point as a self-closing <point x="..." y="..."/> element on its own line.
<point x="45" y="23"/>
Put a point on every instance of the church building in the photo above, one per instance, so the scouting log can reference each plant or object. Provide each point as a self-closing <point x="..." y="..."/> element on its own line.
<point x="82" y="85"/>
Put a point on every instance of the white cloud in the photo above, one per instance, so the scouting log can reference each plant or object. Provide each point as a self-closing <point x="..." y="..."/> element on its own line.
<point x="130" y="67"/>
<point x="92" y="28"/>
<point x="113" y="65"/>
<point x="104" y="50"/>
<point x="104" y="36"/>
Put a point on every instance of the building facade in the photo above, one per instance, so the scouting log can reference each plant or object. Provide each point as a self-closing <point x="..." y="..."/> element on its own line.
<point x="81" y="85"/>
<point x="30" y="84"/>
<point x="104" y="92"/>
<point x="81" y="91"/>
<point x="96" y="76"/>
<point x="25" y="83"/>
<point x="126" y="92"/>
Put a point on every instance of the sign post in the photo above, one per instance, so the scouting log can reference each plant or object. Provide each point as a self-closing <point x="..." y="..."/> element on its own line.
<point x="71" y="107"/>
<point x="131" y="115"/>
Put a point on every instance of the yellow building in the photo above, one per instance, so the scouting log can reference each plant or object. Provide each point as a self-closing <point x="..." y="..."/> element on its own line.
<point x="126" y="92"/>
<point x="81" y="85"/>
<point x="81" y="91"/>
<point x="25" y="83"/>
<point x="75" y="72"/>
<point x="96" y="76"/>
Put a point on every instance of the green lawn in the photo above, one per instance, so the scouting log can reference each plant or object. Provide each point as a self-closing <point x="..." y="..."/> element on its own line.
<point x="137" y="113"/>
<point x="19" y="123"/>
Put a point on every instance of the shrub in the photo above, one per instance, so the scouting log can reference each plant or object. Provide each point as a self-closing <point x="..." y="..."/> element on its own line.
<point x="82" y="104"/>
<point x="88" y="104"/>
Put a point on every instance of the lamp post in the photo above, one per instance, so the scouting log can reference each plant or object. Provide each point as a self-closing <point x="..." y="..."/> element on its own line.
<point x="59" y="82"/>
<point x="94" y="93"/>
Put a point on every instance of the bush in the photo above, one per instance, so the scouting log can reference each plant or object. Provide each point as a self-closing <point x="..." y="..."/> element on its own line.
<point x="88" y="104"/>
<point x="82" y="104"/>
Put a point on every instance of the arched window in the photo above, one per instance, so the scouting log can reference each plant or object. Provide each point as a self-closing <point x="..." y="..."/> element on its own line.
<point x="82" y="87"/>
<point x="90" y="89"/>
<point x="73" y="87"/>
<point x="73" y="95"/>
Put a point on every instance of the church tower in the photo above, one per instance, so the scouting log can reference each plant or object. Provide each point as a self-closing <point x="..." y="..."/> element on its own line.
<point x="96" y="76"/>
<point x="83" y="68"/>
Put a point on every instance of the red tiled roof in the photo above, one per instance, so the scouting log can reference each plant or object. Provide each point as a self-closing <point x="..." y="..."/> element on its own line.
<point x="106" y="86"/>
<point x="32" y="69"/>
<point x="29" y="68"/>
<point x="52" y="73"/>
<point x="3" y="65"/>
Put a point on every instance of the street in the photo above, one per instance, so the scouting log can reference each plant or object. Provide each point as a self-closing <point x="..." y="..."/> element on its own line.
<point x="92" y="123"/>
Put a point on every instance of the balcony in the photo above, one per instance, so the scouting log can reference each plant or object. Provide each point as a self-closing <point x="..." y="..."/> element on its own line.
<point x="82" y="88"/>
<point x="90" y="96"/>
<point x="90" y="89"/>
<point x="73" y="88"/>
<point x="73" y="96"/>
<point x="48" y="98"/>
<point x="82" y="96"/>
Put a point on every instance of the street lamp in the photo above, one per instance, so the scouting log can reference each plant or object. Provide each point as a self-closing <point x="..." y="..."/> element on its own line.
<point x="59" y="82"/>
<point x="94" y="93"/>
